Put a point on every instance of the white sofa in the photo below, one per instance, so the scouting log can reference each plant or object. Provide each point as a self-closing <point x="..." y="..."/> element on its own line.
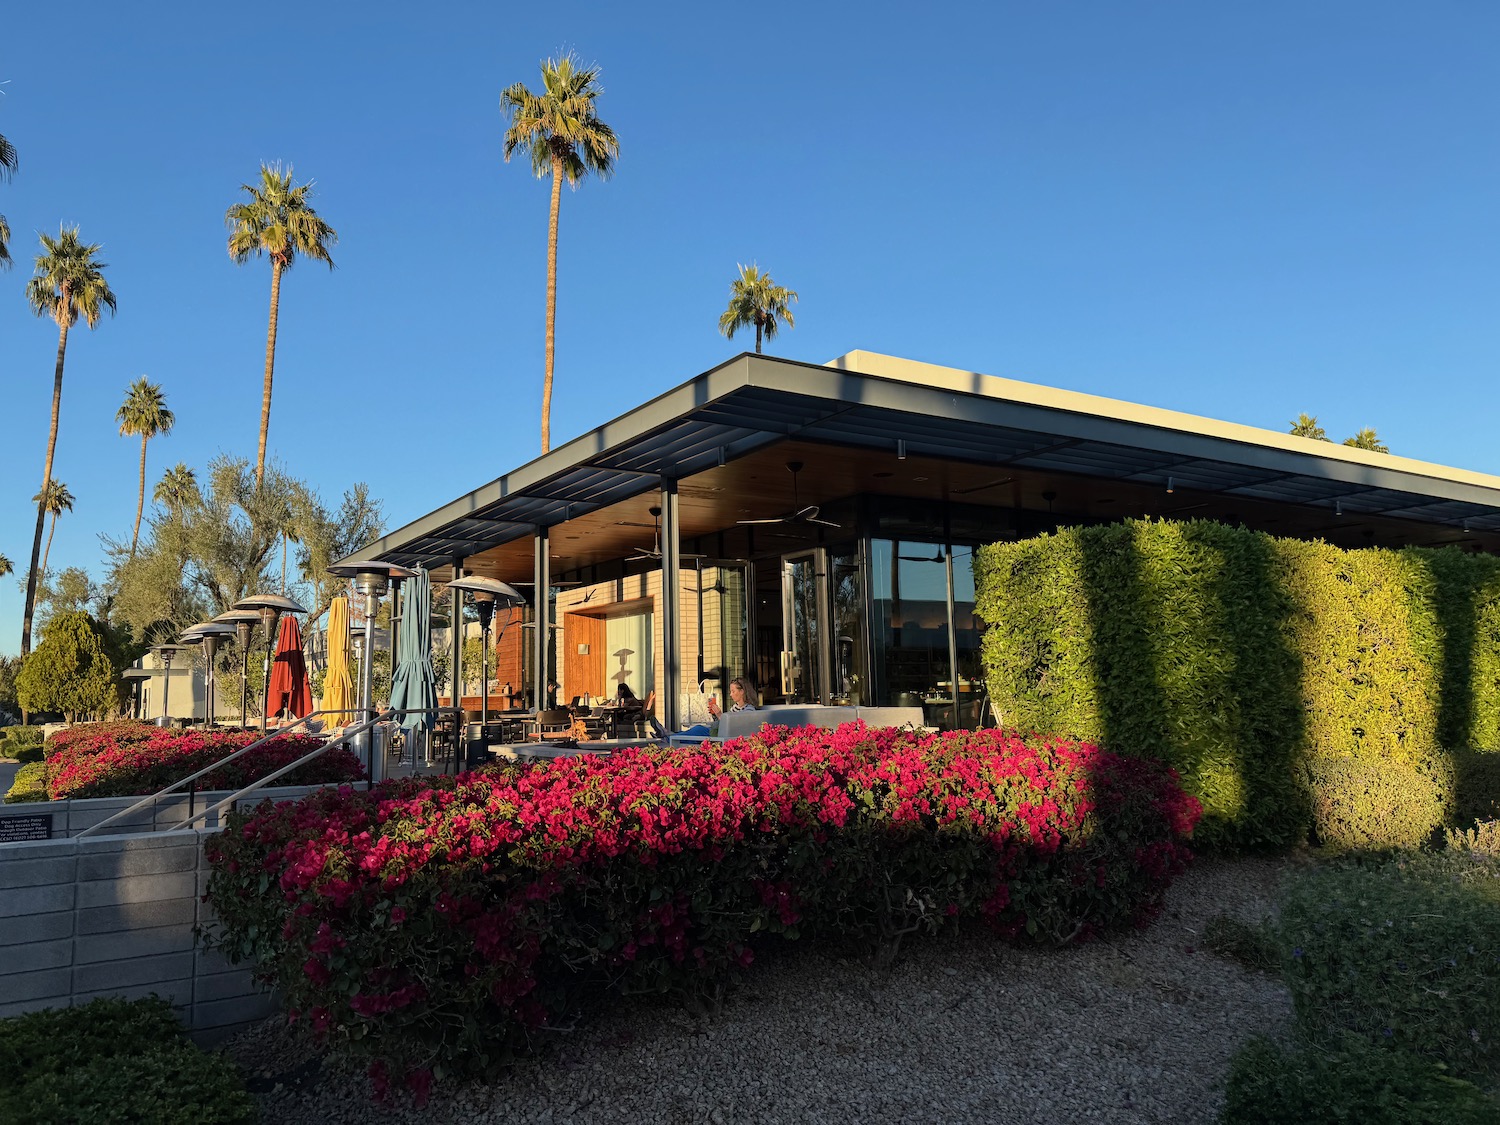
<point x="736" y="724"/>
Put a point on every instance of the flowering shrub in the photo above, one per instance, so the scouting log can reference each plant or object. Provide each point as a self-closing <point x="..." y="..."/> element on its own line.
<point x="100" y="736"/>
<point x="459" y="918"/>
<point x="135" y="762"/>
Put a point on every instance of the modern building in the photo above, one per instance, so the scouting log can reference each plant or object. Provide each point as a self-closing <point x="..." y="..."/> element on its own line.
<point x="813" y="526"/>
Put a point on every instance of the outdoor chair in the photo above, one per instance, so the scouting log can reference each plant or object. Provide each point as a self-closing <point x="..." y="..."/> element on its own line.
<point x="557" y="723"/>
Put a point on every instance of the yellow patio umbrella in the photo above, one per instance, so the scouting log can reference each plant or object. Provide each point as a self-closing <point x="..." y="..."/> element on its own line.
<point x="338" y="688"/>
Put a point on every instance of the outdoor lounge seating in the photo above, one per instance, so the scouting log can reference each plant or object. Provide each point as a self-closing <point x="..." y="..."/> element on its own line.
<point x="737" y="724"/>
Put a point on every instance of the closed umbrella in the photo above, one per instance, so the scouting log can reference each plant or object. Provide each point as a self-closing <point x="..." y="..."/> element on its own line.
<point x="338" y="686"/>
<point x="289" y="692"/>
<point x="412" y="683"/>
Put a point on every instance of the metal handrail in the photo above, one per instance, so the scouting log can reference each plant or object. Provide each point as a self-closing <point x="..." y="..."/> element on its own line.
<point x="152" y="798"/>
<point x="353" y="732"/>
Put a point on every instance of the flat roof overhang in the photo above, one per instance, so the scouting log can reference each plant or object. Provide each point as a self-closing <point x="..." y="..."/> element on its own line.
<point x="933" y="415"/>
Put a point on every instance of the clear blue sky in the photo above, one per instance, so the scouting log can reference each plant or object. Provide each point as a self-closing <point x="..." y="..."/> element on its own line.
<point x="1241" y="211"/>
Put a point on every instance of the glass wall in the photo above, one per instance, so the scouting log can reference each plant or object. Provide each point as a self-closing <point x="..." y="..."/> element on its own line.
<point x="922" y="619"/>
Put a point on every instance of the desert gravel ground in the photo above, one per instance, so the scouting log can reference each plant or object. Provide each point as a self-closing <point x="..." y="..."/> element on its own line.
<point x="1136" y="1029"/>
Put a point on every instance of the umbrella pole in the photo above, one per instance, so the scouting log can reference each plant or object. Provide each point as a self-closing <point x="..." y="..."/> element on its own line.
<point x="265" y="699"/>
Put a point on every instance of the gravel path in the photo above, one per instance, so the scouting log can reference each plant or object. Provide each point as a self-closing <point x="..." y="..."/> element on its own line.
<point x="1135" y="1030"/>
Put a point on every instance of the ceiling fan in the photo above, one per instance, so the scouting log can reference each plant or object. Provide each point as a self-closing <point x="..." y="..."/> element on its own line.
<point x="653" y="552"/>
<point x="799" y="513"/>
<point x="939" y="555"/>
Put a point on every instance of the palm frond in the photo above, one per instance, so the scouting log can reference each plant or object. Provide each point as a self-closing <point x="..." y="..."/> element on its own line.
<point x="69" y="281"/>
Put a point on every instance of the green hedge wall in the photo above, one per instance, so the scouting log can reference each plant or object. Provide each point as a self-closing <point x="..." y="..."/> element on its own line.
<point x="1254" y="665"/>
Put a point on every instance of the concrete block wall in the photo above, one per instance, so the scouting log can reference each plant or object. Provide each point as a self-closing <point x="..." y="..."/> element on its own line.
<point x="115" y="916"/>
<point x="69" y="818"/>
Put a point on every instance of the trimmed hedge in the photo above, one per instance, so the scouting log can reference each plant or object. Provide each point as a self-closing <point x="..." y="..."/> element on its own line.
<point x="30" y="784"/>
<point x="114" y="1061"/>
<point x="1237" y="658"/>
<point x="444" y="923"/>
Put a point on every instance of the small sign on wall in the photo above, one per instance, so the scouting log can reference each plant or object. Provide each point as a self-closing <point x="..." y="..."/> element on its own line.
<point x="16" y="828"/>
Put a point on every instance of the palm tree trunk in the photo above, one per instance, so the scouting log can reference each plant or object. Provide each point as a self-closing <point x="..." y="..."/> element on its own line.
<point x="41" y="506"/>
<point x="265" y="394"/>
<point x="557" y="178"/>
<point x="757" y="337"/>
<point x="140" y="503"/>
<point x="283" y="564"/>
<point x="47" y="550"/>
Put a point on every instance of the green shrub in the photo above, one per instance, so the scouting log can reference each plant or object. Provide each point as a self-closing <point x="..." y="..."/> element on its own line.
<point x="1251" y="947"/>
<point x="1235" y="656"/>
<point x="1403" y="953"/>
<point x="1351" y="1083"/>
<point x="113" y="1061"/>
<point x="1483" y="838"/>
<point x="1374" y="805"/>
<point x="30" y="784"/>
<point x="14" y="740"/>
<point x="28" y="754"/>
<point x="1476" y="784"/>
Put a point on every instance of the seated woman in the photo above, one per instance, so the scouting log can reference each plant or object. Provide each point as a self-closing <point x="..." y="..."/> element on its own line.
<point x="742" y="697"/>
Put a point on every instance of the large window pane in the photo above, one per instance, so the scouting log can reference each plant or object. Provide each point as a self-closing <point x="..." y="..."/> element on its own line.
<point x="909" y="584"/>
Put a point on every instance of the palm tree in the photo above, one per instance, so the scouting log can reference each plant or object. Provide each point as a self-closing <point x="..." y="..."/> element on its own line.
<point x="1307" y="426"/>
<point x="560" y="130"/>
<point x="755" y="299"/>
<point x="7" y="169"/>
<point x="280" y="223"/>
<point x="5" y="566"/>
<point x="178" y="488"/>
<point x="55" y="499"/>
<point x="69" y="284"/>
<point x="143" y="412"/>
<point x="1366" y="439"/>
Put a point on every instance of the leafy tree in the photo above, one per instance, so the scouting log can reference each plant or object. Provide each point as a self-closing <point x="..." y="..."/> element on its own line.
<point x="205" y="551"/>
<point x="144" y="412"/>
<point x="72" y="591"/>
<point x="70" y="671"/>
<point x="177" y="489"/>
<point x="1366" y="439"/>
<point x="279" y="223"/>
<point x="560" y="130"/>
<point x="55" y="499"/>
<point x="1307" y="426"/>
<point x="69" y="283"/>
<point x="7" y="169"/>
<point x="754" y="299"/>
<point x="10" y="668"/>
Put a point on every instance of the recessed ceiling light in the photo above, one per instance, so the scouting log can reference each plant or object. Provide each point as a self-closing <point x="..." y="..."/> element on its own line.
<point x="882" y="476"/>
<point x="918" y="478"/>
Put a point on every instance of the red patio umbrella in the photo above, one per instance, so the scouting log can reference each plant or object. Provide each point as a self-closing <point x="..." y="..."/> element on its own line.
<point x="290" y="692"/>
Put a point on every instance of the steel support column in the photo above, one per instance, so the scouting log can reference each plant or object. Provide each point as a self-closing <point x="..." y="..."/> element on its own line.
<point x="671" y="607"/>
<point x="541" y="575"/>
<point x="456" y="642"/>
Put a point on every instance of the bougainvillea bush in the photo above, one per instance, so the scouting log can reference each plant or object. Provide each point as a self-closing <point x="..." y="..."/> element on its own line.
<point x="144" y="759"/>
<point x="451" y="923"/>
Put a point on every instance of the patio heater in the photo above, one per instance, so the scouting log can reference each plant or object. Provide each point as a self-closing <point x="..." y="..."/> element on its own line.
<point x="210" y="634"/>
<point x="372" y="580"/>
<point x="244" y="622"/>
<point x="269" y="607"/>
<point x="164" y="653"/>
<point x="488" y="593"/>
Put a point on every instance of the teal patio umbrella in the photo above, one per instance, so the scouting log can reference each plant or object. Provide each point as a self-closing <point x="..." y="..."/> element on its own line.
<point x="412" y="683"/>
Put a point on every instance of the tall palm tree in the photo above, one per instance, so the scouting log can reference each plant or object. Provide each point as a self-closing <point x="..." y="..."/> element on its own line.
<point x="55" y="499"/>
<point x="280" y="223"/>
<point x="6" y="566"/>
<point x="178" y="488"/>
<point x="69" y="284"/>
<point x="1307" y="426"/>
<point x="755" y="299"/>
<point x="144" y="412"/>
<point x="7" y="169"/>
<point x="560" y="130"/>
